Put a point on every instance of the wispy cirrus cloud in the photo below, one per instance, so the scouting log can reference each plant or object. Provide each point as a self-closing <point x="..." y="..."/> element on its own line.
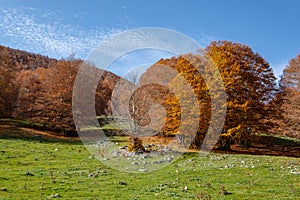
<point x="44" y="32"/>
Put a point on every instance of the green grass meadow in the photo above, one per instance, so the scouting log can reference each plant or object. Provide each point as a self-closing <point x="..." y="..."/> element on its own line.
<point x="62" y="169"/>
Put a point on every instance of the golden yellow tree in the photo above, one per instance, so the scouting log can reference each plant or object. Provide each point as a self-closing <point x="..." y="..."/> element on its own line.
<point x="191" y="93"/>
<point x="249" y="84"/>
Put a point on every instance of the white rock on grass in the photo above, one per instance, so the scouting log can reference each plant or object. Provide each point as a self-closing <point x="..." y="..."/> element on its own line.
<point x="143" y="170"/>
<point x="294" y="172"/>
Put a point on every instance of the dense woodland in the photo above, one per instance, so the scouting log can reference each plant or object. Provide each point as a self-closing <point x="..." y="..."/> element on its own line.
<point x="38" y="89"/>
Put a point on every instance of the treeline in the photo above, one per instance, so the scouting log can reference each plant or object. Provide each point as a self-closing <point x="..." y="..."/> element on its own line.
<point x="39" y="89"/>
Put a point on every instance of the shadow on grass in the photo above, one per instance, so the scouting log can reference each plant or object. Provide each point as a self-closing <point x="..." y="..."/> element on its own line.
<point x="40" y="139"/>
<point x="275" y="140"/>
<point x="285" y="141"/>
<point x="14" y="130"/>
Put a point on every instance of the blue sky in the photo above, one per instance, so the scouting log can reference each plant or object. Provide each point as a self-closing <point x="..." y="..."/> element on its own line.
<point x="59" y="28"/>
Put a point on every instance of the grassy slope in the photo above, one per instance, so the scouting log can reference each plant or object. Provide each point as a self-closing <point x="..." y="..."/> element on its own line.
<point x="27" y="165"/>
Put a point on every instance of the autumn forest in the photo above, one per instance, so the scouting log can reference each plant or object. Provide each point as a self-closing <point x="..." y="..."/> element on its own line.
<point x="38" y="89"/>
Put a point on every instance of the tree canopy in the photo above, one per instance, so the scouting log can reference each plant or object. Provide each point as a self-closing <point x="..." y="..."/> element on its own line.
<point x="288" y="100"/>
<point x="248" y="81"/>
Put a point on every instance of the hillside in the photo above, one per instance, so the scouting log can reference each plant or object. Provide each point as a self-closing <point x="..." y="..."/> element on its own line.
<point x="45" y="168"/>
<point x="38" y="89"/>
<point x="23" y="60"/>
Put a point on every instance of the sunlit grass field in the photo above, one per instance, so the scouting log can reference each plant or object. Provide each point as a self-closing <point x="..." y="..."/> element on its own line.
<point x="31" y="169"/>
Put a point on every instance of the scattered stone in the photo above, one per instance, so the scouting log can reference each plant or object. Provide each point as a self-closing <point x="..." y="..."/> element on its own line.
<point x="143" y="156"/>
<point x="158" y="161"/>
<point x="294" y="172"/>
<point x="3" y="189"/>
<point x="123" y="147"/>
<point x="93" y="175"/>
<point x="143" y="170"/>
<point x="29" y="174"/>
<point x="115" y="154"/>
<point x="122" y="183"/>
<point x="55" y="195"/>
<point x="169" y="159"/>
<point x="103" y="143"/>
<point x="139" y="152"/>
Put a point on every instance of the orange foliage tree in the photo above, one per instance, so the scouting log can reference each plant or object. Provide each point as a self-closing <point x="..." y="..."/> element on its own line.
<point x="31" y="99"/>
<point x="194" y="99"/>
<point x="288" y="100"/>
<point x="8" y="88"/>
<point x="250" y="87"/>
<point x="45" y="96"/>
<point x="249" y="84"/>
<point x="57" y="83"/>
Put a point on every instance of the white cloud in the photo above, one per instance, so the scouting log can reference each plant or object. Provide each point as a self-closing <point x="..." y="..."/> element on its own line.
<point x="44" y="32"/>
